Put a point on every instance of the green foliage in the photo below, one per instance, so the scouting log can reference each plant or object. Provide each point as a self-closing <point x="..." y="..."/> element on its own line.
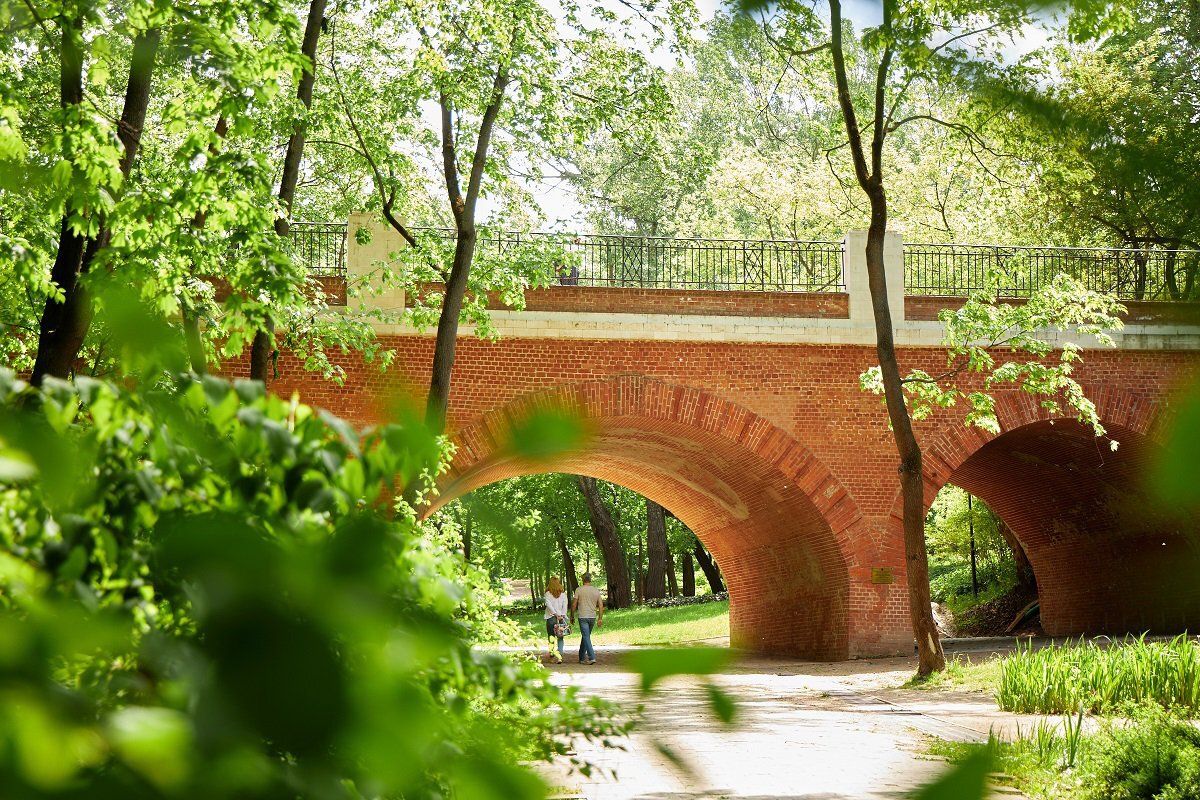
<point x="517" y="523"/>
<point x="965" y="781"/>
<point x="947" y="536"/>
<point x="202" y="595"/>
<point x="1153" y="755"/>
<point x="981" y="328"/>
<point x="1112" y="129"/>
<point x="1096" y="679"/>
<point x="1155" y="758"/>
<point x="1173" y="476"/>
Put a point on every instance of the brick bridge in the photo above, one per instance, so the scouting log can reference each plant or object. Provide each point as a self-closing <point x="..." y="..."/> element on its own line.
<point x="741" y="413"/>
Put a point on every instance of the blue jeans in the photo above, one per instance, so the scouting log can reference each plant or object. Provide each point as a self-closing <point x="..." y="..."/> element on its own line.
<point x="586" y="651"/>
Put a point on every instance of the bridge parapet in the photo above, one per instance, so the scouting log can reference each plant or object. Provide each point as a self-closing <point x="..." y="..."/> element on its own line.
<point x="776" y="291"/>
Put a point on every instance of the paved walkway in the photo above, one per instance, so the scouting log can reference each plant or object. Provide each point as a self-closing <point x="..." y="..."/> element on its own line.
<point x="804" y="730"/>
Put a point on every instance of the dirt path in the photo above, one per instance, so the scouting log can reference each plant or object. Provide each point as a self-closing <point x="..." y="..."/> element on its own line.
<point x="804" y="730"/>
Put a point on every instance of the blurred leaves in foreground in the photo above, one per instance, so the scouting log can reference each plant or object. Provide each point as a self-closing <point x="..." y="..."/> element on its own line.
<point x="204" y="593"/>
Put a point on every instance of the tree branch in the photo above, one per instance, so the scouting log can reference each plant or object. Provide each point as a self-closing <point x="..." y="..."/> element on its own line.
<point x="387" y="195"/>
<point x="485" y="134"/>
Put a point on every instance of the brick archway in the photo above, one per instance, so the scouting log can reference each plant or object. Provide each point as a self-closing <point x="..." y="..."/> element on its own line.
<point x="773" y="515"/>
<point x="1107" y="559"/>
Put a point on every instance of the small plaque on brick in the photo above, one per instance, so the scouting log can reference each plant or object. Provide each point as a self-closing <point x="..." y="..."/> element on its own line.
<point x="881" y="575"/>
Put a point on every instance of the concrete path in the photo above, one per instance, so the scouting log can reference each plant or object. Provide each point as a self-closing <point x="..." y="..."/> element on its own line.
<point x="804" y="730"/>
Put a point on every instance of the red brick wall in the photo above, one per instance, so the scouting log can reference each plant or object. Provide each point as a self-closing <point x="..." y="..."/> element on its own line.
<point x="621" y="300"/>
<point x="1143" y="312"/>
<point x="788" y="472"/>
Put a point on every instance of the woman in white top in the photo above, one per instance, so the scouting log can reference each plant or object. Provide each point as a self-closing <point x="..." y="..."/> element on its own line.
<point x="556" y="614"/>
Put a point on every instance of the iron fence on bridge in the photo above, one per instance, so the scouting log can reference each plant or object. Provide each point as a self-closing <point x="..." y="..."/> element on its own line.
<point x="1014" y="271"/>
<point x="780" y="265"/>
<point x="655" y="262"/>
<point x="320" y="247"/>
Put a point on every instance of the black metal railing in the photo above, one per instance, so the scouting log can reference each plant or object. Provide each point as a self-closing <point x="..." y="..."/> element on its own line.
<point x="654" y="262"/>
<point x="320" y="247"/>
<point x="1129" y="274"/>
<point x="781" y="265"/>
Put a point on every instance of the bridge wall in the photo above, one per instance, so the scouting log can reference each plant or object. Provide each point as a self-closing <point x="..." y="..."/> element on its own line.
<point x="741" y="412"/>
<point x="821" y="574"/>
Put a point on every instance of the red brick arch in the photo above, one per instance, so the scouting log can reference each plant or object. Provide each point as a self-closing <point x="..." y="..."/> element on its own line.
<point x="1106" y="557"/>
<point x="773" y="515"/>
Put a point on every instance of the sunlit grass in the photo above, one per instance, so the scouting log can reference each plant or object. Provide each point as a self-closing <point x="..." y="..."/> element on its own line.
<point x="963" y="675"/>
<point x="1096" y="679"/>
<point x="650" y="626"/>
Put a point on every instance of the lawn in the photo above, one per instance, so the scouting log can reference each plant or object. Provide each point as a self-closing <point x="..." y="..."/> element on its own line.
<point x="650" y="626"/>
<point x="963" y="674"/>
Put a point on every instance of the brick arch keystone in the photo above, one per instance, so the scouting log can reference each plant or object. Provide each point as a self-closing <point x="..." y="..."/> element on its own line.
<point x="781" y="525"/>
<point x="1107" y="557"/>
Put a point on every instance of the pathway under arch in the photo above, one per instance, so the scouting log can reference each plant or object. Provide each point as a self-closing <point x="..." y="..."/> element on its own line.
<point x="1107" y="557"/>
<point x="758" y="499"/>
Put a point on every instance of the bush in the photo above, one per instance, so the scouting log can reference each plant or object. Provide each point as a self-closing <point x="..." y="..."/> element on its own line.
<point x="1057" y="680"/>
<point x="204" y="594"/>
<point x="672" y="602"/>
<point x="949" y="580"/>
<point x="1155" y="758"/>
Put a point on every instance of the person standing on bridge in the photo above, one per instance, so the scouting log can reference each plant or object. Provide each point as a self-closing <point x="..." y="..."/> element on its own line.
<point x="589" y="605"/>
<point x="556" y="615"/>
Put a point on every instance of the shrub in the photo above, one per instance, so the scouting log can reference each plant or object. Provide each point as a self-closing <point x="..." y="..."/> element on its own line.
<point x="952" y="579"/>
<point x="1155" y="758"/>
<point x="203" y="594"/>
<point x="672" y="602"/>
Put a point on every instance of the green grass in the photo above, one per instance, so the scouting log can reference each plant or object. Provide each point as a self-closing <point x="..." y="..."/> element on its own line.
<point x="1153" y="755"/>
<point x="1100" y="680"/>
<point x="649" y="626"/>
<point x="961" y="674"/>
<point x="1063" y="679"/>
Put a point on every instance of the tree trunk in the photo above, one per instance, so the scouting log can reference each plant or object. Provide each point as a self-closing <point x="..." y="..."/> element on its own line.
<point x="467" y="523"/>
<point x="65" y="324"/>
<point x="672" y="578"/>
<point x="569" y="577"/>
<point x="609" y="543"/>
<point x="689" y="575"/>
<point x="631" y="563"/>
<point x="656" y="551"/>
<point x="930" y="657"/>
<point x="447" y="332"/>
<point x="709" y="567"/>
<point x="260" y="349"/>
<point x="641" y="570"/>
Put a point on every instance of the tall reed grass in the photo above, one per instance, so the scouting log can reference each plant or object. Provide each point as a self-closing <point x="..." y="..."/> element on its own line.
<point x="1088" y="676"/>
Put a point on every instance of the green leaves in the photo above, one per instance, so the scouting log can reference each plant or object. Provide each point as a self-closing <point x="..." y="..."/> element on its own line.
<point x="221" y="608"/>
<point x="654" y="665"/>
<point x="983" y="327"/>
<point x="966" y="780"/>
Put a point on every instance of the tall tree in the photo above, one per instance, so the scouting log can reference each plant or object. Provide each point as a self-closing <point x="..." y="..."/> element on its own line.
<point x="66" y="318"/>
<point x="611" y="551"/>
<point x="1115" y="135"/>
<point x="260" y="348"/>
<point x="689" y="574"/>
<point x="657" y="554"/>
<point x="899" y="58"/>
<point x="542" y="80"/>
<point x="708" y="566"/>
